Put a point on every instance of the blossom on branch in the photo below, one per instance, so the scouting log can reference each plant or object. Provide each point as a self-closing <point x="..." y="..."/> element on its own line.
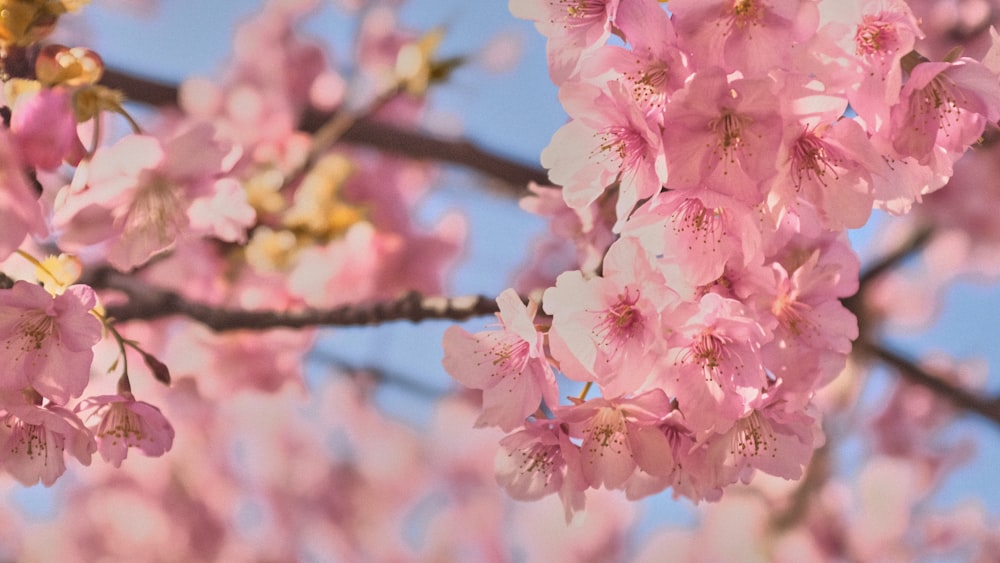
<point x="124" y="423"/>
<point x="47" y="339"/>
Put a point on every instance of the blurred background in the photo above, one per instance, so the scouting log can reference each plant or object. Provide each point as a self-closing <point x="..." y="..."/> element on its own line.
<point x="505" y="102"/>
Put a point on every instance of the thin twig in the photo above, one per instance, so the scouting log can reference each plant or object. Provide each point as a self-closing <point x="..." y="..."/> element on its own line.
<point x="917" y="241"/>
<point x="987" y="407"/>
<point x="146" y="302"/>
<point x="366" y="131"/>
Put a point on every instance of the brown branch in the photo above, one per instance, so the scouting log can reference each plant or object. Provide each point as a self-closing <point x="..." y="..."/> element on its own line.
<point x="987" y="407"/>
<point x="368" y="132"/>
<point x="917" y="241"/>
<point x="147" y="303"/>
<point x="817" y="474"/>
<point x="381" y="376"/>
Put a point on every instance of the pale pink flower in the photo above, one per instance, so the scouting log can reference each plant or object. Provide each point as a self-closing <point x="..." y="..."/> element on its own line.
<point x="18" y="201"/>
<point x="609" y="141"/>
<point x="753" y="36"/>
<point x="43" y="127"/>
<point x="717" y="365"/>
<point x="47" y="340"/>
<point x="724" y="130"/>
<point x="137" y="194"/>
<point x="696" y="234"/>
<point x="34" y="439"/>
<point x="508" y="365"/>
<point x="613" y="446"/>
<point x="830" y="166"/>
<point x="945" y="104"/>
<point x="884" y="32"/>
<point x="826" y="159"/>
<point x="813" y="333"/>
<point x="126" y="423"/>
<point x="774" y="437"/>
<point x="696" y="472"/>
<point x="540" y="460"/>
<point x="572" y="27"/>
<point x="653" y="68"/>
<point x="607" y="329"/>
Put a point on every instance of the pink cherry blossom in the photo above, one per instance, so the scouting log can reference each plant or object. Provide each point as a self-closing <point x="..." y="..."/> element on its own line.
<point x="884" y="32"/>
<point x="43" y="127"/>
<point x="613" y="445"/>
<point x="48" y="340"/>
<point x="752" y="36"/>
<point x="508" y="364"/>
<point x="724" y="130"/>
<point x="136" y="195"/>
<point x="610" y="140"/>
<point x="653" y="68"/>
<point x="774" y="437"/>
<point x="540" y="460"/>
<point x="572" y="27"/>
<point x="813" y="334"/>
<point x="696" y="472"/>
<point x="696" y="233"/>
<point x="124" y="423"/>
<point x="717" y="365"/>
<point x="607" y="329"/>
<point x="34" y="439"/>
<point x="825" y="159"/>
<point x="946" y="104"/>
<point x="18" y="201"/>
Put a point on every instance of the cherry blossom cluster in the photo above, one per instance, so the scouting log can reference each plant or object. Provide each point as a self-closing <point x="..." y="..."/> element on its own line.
<point x="715" y="153"/>
<point x="222" y="201"/>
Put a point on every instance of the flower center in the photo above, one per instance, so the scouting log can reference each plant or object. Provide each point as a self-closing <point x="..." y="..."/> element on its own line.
<point x="752" y="436"/>
<point x="619" y="323"/>
<point x="875" y="36"/>
<point x="811" y="159"/>
<point x="120" y="423"/>
<point x="746" y="12"/>
<point x="623" y="145"/>
<point x="581" y="12"/>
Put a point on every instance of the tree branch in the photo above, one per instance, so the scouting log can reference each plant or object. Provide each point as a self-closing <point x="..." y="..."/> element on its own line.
<point x="146" y="302"/>
<point x="369" y="132"/>
<point x="917" y="241"/>
<point x="987" y="407"/>
<point x="419" y="389"/>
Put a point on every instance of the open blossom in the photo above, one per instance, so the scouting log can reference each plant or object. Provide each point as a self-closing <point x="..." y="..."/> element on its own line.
<point x="509" y="365"/>
<point x="610" y="140"/>
<point x="884" y="32"/>
<point x="35" y="438"/>
<point x="613" y="444"/>
<point x="774" y="437"/>
<point x="753" y="36"/>
<point x="137" y="195"/>
<point x="654" y="67"/>
<point x="572" y="27"/>
<point x="717" y="366"/>
<point x="723" y="130"/>
<point x="18" y="202"/>
<point x="946" y="104"/>
<point x="607" y="329"/>
<point x="697" y="233"/>
<point x="125" y="423"/>
<point x="47" y="341"/>
<point x="43" y="127"/>
<point x="540" y="460"/>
